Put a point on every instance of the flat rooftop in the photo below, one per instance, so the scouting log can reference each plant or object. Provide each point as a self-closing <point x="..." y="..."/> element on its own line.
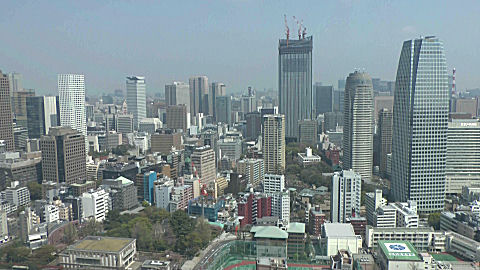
<point x="99" y="243"/>
<point x="399" y="250"/>
<point x="339" y="230"/>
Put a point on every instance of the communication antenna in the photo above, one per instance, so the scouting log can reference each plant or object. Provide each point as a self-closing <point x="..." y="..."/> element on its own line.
<point x="287" y="30"/>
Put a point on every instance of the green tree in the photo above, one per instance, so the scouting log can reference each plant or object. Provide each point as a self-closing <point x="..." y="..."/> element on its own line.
<point x="35" y="190"/>
<point x="434" y="220"/>
<point x="43" y="255"/>
<point x="17" y="254"/>
<point x="70" y="234"/>
<point x="181" y="223"/>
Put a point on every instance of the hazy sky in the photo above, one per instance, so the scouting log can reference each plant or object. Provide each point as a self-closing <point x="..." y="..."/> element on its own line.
<point x="231" y="41"/>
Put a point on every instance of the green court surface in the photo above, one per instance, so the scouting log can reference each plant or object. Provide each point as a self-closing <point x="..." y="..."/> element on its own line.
<point x="443" y="257"/>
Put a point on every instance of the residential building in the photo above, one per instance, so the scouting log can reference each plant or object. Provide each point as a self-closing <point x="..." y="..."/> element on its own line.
<point x="136" y="99"/>
<point x="203" y="158"/>
<point x="373" y="200"/>
<point x="17" y="195"/>
<point x="77" y="189"/>
<point x="95" y="204"/>
<point x="253" y="169"/>
<point x="381" y="102"/>
<point x="253" y="206"/>
<point x="420" y="125"/>
<point x="346" y="191"/>
<point x="63" y="156"/>
<point x="3" y="226"/>
<point x="295" y="82"/>
<point x="164" y="140"/>
<point x="71" y="92"/>
<point x="274" y="186"/>
<point x="6" y="120"/>
<point x="273" y="143"/>
<point x="21" y="169"/>
<point x="316" y="220"/>
<point x="357" y="124"/>
<point x="51" y="213"/>
<point x="463" y="164"/>
<point x="100" y="252"/>
<point x="42" y="114"/>
<point x="177" y="117"/>
<point x="163" y="194"/>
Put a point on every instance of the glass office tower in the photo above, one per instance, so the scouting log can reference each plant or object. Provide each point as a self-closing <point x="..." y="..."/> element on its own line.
<point x="295" y="82"/>
<point x="420" y="122"/>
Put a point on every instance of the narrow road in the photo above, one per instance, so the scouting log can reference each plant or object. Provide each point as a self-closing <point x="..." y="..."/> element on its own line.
<point x="208" y="254"/>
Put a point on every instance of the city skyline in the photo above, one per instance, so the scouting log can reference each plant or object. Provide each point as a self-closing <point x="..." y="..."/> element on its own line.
<point x="104" y="60"/>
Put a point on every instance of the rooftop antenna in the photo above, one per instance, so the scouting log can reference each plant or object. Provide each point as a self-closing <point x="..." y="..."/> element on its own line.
<point x="287" y="30"/>
<point x="304" y="32"/>
<point x="299" y="25"/>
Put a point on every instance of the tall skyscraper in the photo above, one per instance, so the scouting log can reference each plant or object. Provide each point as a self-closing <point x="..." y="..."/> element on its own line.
<point x="63" y="156"/>
<point x="15" y="82"/>
<point x="177" y="93"/>
<point x="20" y="105"/>
<point x="223" y="109"/>
<point x="136" y="99"/>
<point x="295" y="82"/>
<point x="358" y="124"/>
<point x="385" y="121"/>
<point x="198" y="89"/>
<point x="217" y="89"/>
<point x="71" y="92"/>
<point x="273" y="143"/>
<point x="6" y="121"/>
<point x="42" y="114"/>
<point x="323" y="99"/>
<point x="420" y="121"/>
<point x="346" y="193"/>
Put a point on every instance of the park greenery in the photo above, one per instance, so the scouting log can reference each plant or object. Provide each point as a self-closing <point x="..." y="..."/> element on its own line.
<point x="157" y="230"/>
<point x="16" y="253"/>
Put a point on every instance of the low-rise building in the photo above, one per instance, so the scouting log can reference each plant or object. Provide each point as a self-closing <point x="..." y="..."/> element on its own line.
<point x="336" y="236"/>
<point x="94" y="252"/>
<point x="271" y="241"/>
<point x="155" y="265"/>
<point x="296" y="240"/>
<point x="398" y="255"/>
<point x="95" y="204"/>
<point x="122" y="192"/>
<point x="308" y="158"/>
<point x="421" y="238"/>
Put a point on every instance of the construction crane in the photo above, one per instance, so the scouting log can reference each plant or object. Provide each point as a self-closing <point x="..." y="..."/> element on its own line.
<point x="287" y="30"/>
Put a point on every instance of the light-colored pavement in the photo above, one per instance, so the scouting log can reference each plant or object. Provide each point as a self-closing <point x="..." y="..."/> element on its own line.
<point x="205" y="255"/>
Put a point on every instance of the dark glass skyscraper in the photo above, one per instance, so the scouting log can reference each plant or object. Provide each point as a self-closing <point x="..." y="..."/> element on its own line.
<point x="42" y="114"/>
<point x="323" y="99"/>
<point x="295" y="82"/>
<point x="420" y="123"/>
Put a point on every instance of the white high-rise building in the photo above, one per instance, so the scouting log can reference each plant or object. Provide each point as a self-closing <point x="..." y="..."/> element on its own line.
<point x="274" y="186"/>
<point x="420" y="123"/>
<point x="253" y="169"/>
<point x="95" y="204"/>
<point x="71" y="91"/>
<point x="358" y="124"/>
<point x="51" y="213"/>
<point x="346" y="192"/>
<point x="136" y="99"/>
<point x="463" y="161"/>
